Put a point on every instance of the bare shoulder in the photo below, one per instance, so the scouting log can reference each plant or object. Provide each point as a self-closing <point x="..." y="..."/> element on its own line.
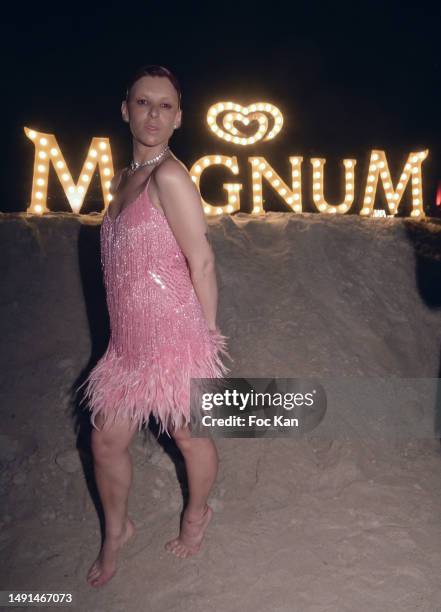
<point x="174" y="184"/>
<point x="172" y="171"/>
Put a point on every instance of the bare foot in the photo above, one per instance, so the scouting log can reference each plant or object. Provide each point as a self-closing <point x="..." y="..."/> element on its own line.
<point x="191" y="535"/>
<point x="104" y="567"/>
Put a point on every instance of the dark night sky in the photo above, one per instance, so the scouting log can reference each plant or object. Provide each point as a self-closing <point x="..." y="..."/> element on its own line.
<point x="348" y="77"/>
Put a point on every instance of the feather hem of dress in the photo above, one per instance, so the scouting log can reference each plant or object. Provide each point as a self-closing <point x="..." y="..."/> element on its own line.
<point x="117" y="389"/>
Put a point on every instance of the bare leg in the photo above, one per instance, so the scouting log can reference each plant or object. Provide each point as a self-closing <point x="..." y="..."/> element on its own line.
<point x="201" y="462"/>
<point x="113" y="474"/>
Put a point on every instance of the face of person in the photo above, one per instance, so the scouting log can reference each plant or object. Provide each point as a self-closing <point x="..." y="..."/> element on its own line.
<point x="152" y="110"/>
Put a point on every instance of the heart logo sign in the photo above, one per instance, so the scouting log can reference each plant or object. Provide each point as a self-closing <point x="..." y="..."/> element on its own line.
<point x="244" y="125"/>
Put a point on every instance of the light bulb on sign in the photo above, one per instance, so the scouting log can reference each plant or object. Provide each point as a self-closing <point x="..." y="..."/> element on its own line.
<point x="412" y="171"/>
<point x="262" y="169"/>
<point x="233" y="189"/>
<point x="230" y="113"/>
<point x="47" y="150"/>
<point x="318" y="186"/>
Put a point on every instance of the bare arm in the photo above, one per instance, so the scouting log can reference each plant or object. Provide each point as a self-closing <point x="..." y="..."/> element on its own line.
<point x="181" y="202"/>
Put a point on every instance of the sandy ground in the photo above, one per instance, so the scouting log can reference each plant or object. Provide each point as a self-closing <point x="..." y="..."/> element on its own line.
<point x="300" y="525"/>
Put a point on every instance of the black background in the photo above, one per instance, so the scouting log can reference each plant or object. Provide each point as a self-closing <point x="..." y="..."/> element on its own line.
<point x="348" y="77"/>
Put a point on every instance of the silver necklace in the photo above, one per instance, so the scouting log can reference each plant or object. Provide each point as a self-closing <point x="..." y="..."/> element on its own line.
<point x="134" y="166"/>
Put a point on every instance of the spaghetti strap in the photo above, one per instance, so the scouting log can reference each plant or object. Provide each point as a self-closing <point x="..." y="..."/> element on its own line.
<point x="145" y="190"/>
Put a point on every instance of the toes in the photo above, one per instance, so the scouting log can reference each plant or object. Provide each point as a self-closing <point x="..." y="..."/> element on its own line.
<point x="101" y="580"/>
<point x="93" y="579"/>
<point x="181" y="550"/>
<point x="93" y="575"/>
<point x="93" y="571"/>
<point x="97" y="581"/>
<point x="175" y="547"/>
<point x="171" y="546"/>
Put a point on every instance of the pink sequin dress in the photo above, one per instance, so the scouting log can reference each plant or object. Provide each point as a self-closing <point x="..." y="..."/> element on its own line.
<point x="159" y="337"/>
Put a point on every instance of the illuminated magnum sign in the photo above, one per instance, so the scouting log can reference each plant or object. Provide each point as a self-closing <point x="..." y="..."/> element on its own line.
<point x="47" y="150"/>
<point x="231" y="122"/>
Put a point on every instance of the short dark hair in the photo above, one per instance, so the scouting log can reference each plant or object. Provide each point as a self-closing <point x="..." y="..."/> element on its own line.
<point x="154" y="70"/>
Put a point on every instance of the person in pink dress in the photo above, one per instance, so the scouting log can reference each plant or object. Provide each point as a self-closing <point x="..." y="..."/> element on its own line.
<point x="161" y="291"/>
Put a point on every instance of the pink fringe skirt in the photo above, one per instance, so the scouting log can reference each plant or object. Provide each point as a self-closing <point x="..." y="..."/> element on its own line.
<point x="121" y="388"/>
